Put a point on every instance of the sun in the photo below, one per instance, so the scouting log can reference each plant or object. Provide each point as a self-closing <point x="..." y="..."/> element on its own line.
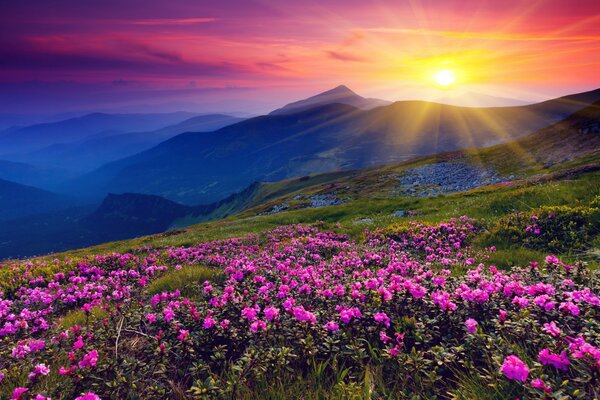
<point x="444" y="77"/>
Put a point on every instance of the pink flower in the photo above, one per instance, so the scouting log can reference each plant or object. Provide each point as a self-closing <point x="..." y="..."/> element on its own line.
<point x="552" y="329"/>
<point x="66" y="371"/>
<point x="78" y="344"/>
<point x="89" y="360"/>
<point x="258" y="325"/>
<point x="502" y="315"/>
<point x="88" y="396"/>
<point x="540" y="384"/>
<point x="208" y="323"/>
<point x="151" y="318"/>
<point x="224" y="324"/>
<point x="559" y="361"/>
<point x="40" y="369"/>
<point x="40" y="396"/>
<point x="168" y="314"/>
<point x="382" y="318"/>
<point x="331" y="326"/>
<point x="249" y="313"/>
<point x="384" y="337"/>
<point x="271" y="313"/>
<point x="1" y="376"/>
<point x="569" y="307"/>
<point x="514" y="368"/>
<point x="18" y="392"/>
<point x="471" y="325"/>
<point x="183" y="334"/>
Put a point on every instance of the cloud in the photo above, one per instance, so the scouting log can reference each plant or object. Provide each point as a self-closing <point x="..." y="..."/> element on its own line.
<point x="174" y="21"/>
<point x="343" y="56"/>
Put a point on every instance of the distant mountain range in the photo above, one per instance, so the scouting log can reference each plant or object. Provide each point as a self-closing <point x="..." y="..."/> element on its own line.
<point x="131" y="214"/>
<point x="18" y="200"/>
<point x="340" y="95"/>
<point x="194" y="168"/>
<point x="35" y="137"/>
<point x="77" y="151"/>
<point x="212" y="173"/>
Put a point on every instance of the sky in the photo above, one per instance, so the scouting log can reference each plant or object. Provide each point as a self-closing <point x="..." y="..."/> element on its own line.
<point x="251" y="56"/>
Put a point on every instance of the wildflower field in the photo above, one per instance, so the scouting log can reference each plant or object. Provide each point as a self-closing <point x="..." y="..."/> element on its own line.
<point x="303" y="311"/>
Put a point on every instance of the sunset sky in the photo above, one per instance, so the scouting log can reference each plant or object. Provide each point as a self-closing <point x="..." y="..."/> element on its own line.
<point x="252" y="56"/>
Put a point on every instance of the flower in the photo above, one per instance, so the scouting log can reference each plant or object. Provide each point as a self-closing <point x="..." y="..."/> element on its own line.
<point x="559" y="361"/>
<point x="540" y="384"/>
<point x="89" y="360"/>
<point x="271" y="313"/>
<point x="552" y="329"/>
<point x="88" y="396"/>
<point x="18" y="392"/>
<point x="40" y="369"/>
<point x="382" y="318"/>
<point x="78" y="344"/>
<point x="249" y="313"/>
<point x="515" y="369"/>
<point x="258" y="325"/>
<point x="331" y="326"/>
<point x="471" y="325"/>
<point x="183" y="334"/>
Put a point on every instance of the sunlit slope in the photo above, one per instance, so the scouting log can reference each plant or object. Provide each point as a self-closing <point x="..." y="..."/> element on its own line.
<point x="197" y="168"/>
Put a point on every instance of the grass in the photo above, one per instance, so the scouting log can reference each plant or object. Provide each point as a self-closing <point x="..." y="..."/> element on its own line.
<point x="187" y="280"/>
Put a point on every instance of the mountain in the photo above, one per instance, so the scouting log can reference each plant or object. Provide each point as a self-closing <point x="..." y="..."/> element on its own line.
<point x="28" y="174"/>
<point x="340" y="94"/>
<point x="197" y="168"/>
<point x="93" y="151"/>
<point x="18" y="200"/>
<point x="122" y="216"/>
<point x="38" y="136"/>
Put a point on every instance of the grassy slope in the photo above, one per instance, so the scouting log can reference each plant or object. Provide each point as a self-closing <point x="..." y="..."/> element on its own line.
<point x="370" y="193"/>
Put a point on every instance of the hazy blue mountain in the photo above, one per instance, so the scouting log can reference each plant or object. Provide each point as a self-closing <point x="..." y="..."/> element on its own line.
<point x="340" y="94"/>
<point x="28" y="174"/>
<point x="30" y="138"/>
<point x="96" y="150"/>
<point x="18" y="200"/>
<point x="203" y="167"/>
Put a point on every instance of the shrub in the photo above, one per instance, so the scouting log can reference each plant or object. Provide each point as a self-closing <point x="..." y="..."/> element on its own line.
<point x="556" y="229"/>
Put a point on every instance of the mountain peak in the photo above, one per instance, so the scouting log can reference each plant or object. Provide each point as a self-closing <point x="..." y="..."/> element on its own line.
<point x="339" y="94"/>
<point x="340" y="89"/>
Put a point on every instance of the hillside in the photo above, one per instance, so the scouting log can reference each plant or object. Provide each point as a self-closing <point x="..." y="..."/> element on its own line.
<point x="200" y="168"/>
<point x="18" y="200"/>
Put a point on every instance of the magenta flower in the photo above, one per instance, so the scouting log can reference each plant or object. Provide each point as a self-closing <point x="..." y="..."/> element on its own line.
<point x="332" y="326"/>
<point x="540" y="384"/>
<point x="515" y="369"/>
<point x="258" y="325"/>
<point x="88" y="396"/>
<point x="89" y="360"/>
<point x="183" y="334"/>
<point x="559" y="361"/>
<point x="78" y="344"/>
<point x="382" y="318"/>
<point x="18" y="392"/>
<point x="271" y="313"/>
<point x="40" y="369"/>
<point x="151" y="318"/>
<point x="552" y="329"/>
<point x="471" y="325"/>
<point x="249" y="313"/>
<point x="208" y="323"/>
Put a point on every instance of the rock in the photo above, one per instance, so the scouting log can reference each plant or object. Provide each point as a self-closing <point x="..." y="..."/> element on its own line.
<point x="445" y="177"/>
<point x="399" y="213"/>
<point x="324" y="200"/>
<point x="362" y="221"/>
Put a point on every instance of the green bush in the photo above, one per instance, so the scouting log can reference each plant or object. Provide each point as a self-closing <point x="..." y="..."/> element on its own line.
<point x="555" y="229"/>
